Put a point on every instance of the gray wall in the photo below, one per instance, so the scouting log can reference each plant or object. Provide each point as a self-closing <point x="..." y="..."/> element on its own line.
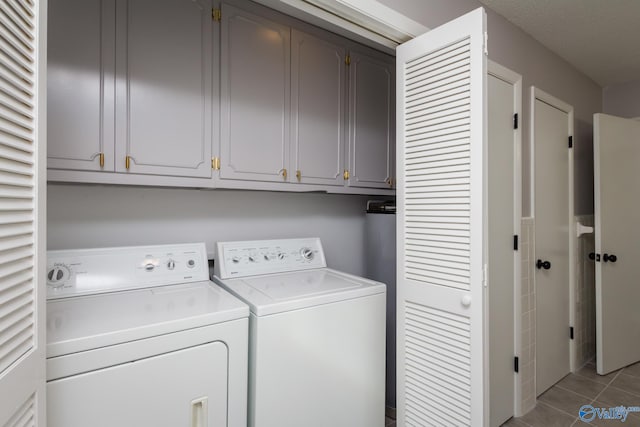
<point x="84" y="216"/>
<point x="514" y="49"/>
<point x="622" y="100"/>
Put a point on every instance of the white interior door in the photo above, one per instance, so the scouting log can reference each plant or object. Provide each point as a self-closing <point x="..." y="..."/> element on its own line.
<point x="504" y="207"/>
<point x="616" y="153"/>
<point x="552" y="125"/>
<point x="441" y="85"/>
<point x="22" y="212"/>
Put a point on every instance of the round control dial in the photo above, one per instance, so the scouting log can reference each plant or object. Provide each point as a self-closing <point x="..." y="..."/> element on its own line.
<point x="58" y="275"/>
<point x="307" y="254"/>
<point x="171" y="264"/>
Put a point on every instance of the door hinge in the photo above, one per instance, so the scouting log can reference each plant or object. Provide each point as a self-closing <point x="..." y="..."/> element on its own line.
<point x="515" y="242"/>
<point x="345" y="175"/>
<point x="485" y="275"/>
<point x="516" y="364"/>
<point x="571" y="332"/>
<point x="347" y="59"/>
<point x="486" y="43"/>
<point x="570" y="142"/>
<point x="515" y="121"/>
<point x="216" y="14"/>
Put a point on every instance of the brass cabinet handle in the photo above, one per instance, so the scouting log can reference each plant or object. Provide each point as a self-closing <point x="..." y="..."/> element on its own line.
<point x="101" y="160"/>
<point x="345" y="175"/>
<point x="284" y="174"/>
<point x="215" y="163"/>
<point x="127" y="162"/>
<point x="298" y="175"/>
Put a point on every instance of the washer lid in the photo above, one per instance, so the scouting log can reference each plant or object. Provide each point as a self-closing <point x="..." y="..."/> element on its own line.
<point x="89" y="322"/>
<point x="276" y="293"/>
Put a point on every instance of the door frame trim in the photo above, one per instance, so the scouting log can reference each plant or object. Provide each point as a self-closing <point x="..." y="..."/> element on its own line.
<point x="515" y="80"/>
<point x="538" y="94"/>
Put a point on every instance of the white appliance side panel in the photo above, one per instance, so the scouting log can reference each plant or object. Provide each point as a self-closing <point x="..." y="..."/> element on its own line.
<point x="185" y="387"/>
<point x="318" y="367"/>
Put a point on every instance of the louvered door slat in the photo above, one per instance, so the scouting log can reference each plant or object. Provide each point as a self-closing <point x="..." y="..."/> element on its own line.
<point x="11" y="90"/>
<point x="17" y="171"/>
<point x="25" y="15"/>
<point x="19" y="20"/>
<point x="24" y="416"/>
<point x="440" y="211"/>
<point x="10" y="102"/>
<point x="435" y="57"/>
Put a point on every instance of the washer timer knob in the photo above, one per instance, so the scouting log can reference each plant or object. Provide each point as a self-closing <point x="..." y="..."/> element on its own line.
<point x="306" y="253"/>
<point x="171" y="264"/>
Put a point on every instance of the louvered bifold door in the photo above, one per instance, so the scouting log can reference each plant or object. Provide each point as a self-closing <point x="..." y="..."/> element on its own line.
<point x="441" y="80"/>
<point x="22" y="186"/>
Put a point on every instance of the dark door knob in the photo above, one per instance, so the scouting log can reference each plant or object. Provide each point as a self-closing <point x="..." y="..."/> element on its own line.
<point x="609" y="258"/>
<point x="543" y="264"/>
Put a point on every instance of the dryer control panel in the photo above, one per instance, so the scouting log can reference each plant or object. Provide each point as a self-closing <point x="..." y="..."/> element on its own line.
<point x="91" y="271"/>
<point x="251" y="258"/>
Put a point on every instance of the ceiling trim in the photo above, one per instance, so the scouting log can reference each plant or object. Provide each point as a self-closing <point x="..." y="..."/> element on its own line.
<point x="368" y="19"/>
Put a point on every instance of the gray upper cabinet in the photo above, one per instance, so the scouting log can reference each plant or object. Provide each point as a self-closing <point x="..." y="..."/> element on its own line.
<point x="80" y="89"/>
<point x="176" y="93"/>
<point x="255" y="102"/>
<point x="371" y="119"/>
<point x="318" y="102"/>
<point x="164" y="87"/>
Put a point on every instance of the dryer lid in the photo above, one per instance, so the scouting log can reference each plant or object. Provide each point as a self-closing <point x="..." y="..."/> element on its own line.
<point x="93" y="321"/>
<point x="277" y="293"/>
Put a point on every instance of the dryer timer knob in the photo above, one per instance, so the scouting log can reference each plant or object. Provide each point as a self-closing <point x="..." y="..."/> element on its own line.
<point x="306" y="253"/>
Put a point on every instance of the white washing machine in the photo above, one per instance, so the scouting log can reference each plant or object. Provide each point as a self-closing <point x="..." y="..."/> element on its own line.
<point x="317" y="336"/>
<point x="139" y="336"/>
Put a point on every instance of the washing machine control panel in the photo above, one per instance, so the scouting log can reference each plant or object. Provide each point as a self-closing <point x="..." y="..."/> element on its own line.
<point x="251" y="258"/>
<point x="89" y="271"/>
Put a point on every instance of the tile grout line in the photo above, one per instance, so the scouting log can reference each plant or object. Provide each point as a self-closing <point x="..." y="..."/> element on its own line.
<point x="577" y="418"/>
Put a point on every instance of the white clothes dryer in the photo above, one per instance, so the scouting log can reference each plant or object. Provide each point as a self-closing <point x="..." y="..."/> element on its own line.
<point x="317" y="336"/>
<point x="139" y="336"/>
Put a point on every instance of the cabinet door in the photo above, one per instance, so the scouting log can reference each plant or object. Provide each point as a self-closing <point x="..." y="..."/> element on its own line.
<point x="163" y="104"/>
<point x="255" y="97"/>
<point x="371" y="119"/>
<point x="318" y="99"/>
<point x="80" y="84"/>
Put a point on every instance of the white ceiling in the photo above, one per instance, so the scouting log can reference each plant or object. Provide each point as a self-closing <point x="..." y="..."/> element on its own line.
<point x="601" y="38"/>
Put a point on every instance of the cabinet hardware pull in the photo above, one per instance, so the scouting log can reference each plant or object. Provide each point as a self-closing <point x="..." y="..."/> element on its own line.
<point x="284" y="174"/>
<point x="298" y="175"/>
<point x="127" y="162"/>
<point x="345" y="175"/>
<point x="215" y="163"/>
<point x="101" y="160"/>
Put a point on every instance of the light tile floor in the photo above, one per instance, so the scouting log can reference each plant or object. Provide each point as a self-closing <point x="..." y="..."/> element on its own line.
<point x="558" y="406"/>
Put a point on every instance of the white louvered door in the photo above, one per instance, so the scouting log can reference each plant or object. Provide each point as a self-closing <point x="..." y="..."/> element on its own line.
<point x="441" y="129"/>
<point x="22" y="211"/>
